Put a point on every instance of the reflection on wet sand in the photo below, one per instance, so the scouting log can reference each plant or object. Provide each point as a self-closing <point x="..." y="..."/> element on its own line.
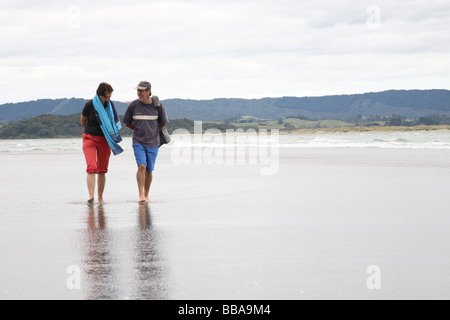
<point x="111" y="273"/>
<point x="98" y="260"/>
<point x="150" y="271"/>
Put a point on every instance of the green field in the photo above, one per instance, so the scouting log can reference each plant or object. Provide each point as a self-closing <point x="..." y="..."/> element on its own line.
<point x="294" y="124"/>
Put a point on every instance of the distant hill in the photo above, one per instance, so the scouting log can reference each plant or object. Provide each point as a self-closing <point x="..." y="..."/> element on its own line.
<point x="61" y="107"/>
<point x="54" y="126"/>
<point x="409" y="103"/>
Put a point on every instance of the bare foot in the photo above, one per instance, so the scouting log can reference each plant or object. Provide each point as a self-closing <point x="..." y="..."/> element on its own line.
<point x="90" y="201"/>
<point x="144" y="200"/>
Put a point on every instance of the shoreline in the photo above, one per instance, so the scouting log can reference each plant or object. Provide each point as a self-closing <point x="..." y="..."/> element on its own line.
<point x="437" y="128"/>
<point x="369" y="129"/>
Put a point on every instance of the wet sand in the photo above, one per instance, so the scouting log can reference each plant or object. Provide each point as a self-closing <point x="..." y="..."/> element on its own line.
<point x="311" y="231"/>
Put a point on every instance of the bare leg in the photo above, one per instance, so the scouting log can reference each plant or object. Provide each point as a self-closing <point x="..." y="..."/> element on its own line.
<point x="148" y="183"/>
<point x="91" y="186"/>
<point x="141" y="179"/>
<point x="101" y="186"/>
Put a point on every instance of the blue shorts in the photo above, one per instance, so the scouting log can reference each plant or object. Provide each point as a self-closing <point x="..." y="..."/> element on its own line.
<point x="145" y="156"/>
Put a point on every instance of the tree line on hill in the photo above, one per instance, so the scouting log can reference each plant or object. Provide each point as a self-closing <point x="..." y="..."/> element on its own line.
<point x="51" y="126"/>
<point x="401" y="121"/>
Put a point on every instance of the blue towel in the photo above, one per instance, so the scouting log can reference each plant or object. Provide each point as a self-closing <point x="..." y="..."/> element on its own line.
<point x="109" y="122"/>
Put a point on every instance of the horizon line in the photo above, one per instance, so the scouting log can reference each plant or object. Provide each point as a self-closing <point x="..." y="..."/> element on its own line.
<point x="236" y="98"/>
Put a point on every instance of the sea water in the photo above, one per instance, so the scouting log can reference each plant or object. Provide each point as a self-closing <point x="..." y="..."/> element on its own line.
<point x="402" y="140"/>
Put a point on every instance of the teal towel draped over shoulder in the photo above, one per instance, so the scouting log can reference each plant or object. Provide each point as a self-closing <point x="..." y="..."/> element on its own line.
<point x="109" y="122"/>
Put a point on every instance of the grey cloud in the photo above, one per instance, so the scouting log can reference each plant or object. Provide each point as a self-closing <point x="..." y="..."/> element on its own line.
<point x="223" y="43"/>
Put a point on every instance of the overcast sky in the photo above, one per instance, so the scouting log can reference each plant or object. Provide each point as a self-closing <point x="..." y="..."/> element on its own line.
<point x="203" y="49"/>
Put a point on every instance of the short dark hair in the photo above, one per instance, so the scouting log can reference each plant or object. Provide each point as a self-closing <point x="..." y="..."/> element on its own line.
<point x="104" y="88"/>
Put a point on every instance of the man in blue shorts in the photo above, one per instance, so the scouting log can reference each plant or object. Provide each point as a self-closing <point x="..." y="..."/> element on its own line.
<point x="146" y="117"/>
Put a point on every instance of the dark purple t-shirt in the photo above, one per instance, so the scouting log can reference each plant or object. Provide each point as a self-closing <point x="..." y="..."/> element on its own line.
<point x="146" y="121"/>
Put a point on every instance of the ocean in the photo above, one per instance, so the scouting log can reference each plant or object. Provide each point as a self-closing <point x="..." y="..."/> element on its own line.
<point x="259" y="217"/>
<point x="397" y="140"/>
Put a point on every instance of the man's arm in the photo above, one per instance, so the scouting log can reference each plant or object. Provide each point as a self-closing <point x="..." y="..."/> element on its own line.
<point x="128" y="118"/>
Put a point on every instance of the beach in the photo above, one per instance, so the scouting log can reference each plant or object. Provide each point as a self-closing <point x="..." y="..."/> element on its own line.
<point x="336" y="217"/>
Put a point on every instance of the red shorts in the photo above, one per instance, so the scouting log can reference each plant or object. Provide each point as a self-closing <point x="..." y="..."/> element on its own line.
<point x="97" y="152"/>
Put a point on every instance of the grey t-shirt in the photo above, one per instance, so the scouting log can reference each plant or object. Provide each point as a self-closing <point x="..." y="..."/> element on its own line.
<point x="146" y="121"/>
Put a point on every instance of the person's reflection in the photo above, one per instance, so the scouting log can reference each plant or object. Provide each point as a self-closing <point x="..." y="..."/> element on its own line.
<point x="98" y="266"/>
<point x="150" y="274"/>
